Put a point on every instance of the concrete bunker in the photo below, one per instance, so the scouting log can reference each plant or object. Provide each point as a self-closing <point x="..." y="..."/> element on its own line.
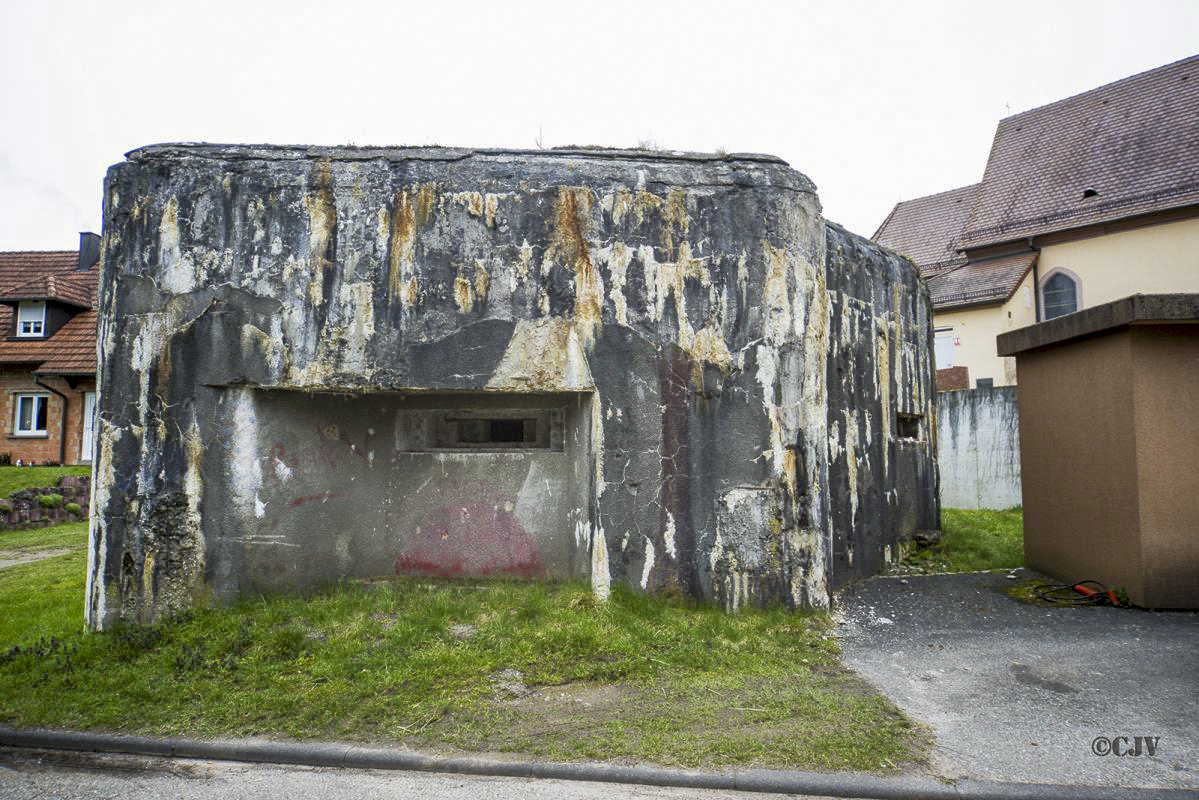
<point x="659" y="369"/>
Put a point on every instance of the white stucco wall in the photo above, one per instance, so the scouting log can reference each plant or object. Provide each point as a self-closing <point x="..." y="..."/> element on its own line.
<point x="974" y="330"/>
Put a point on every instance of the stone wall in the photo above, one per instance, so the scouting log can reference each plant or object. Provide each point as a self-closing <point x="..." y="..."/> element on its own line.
<point x="22" y="509"/>
<point x="320" y="363"/>
<point x="978" y="448"/>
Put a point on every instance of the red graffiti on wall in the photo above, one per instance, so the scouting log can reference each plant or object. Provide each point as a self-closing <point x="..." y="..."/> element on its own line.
<point x="472" y="539"/>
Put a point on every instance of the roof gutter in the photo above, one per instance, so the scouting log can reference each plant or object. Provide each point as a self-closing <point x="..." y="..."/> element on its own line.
<point x="62" y="434"/>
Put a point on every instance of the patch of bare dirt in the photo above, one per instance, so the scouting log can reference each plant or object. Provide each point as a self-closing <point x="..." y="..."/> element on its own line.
<point x="12" y="558"/>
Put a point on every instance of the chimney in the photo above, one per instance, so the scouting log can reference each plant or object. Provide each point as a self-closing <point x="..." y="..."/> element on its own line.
<point x="89" y="250"/>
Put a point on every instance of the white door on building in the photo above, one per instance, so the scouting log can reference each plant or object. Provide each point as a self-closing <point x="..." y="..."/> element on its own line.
<point x="89" y="426"/>
<point x="943" y="348"/>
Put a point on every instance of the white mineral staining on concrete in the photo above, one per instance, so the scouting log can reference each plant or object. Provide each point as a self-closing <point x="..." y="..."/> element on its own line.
<point x="597" y="444"/>
<point x="743" y="515"/>
<point x="582" y="530"/>
<point x="570" y="245"/>
<point x="601" y="578"/>
<point x="543" y="355"/>
<point x="357" y="327"/>
<point x="525" y="261"/>
<point x="648" y="565"/>
<point x="851" y="461"/>
<point x="179" y="588"/>
<point x="482" y="280"/>
<point x="178" y="275"/>
<point x="464" y="294"/>
<point x="103" y="481"/>
<point x="883" y="382"/>
<point x="473" y="202"/>
<point x="270" y="345"/>
<point x="245" y="467"/>
<point x="668" y="536"/>
<point x="809" y="586"/>
<point x="708" y="345"/>
<point x="411" y="211"/>
<point x="322" y="226"/>
<point x="767" y="377"/>
<point x="616" y="258"/>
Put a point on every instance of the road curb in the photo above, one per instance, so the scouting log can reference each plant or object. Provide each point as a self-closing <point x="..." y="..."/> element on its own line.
<point x="333" y="754"/>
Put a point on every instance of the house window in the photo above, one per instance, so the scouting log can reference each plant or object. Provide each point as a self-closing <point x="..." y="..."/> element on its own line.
<point x="31" y="318"/>
<point x="31" y="415"/>
<point x="1060" y="293"/>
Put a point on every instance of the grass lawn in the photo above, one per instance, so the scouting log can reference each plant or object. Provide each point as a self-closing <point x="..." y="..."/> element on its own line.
<point x="14" y="478"/>
<point x="540" y="670"/>
<point x="972" y="541"/>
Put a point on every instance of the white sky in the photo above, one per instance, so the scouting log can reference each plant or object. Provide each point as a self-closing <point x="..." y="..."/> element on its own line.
<point x="876" y="102"/>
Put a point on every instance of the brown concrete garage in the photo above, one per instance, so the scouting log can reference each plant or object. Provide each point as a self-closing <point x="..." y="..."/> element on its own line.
<point x="1109" y="441"/>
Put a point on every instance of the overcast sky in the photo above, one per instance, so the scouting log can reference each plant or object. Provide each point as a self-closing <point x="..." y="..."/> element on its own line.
<point x="876" y="102"/>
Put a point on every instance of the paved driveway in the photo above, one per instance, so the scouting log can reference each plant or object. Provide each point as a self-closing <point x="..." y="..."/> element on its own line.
<point x="1018" y="692"/>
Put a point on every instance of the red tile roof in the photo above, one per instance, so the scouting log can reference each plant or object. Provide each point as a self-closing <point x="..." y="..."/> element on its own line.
<point x="50" y="275"/>
<point x="1135" y="142"/>
<point x="989" y="281"/>
<point x="926" y="229"/>
<point x="74" y="289"/>
<point x="72" y="348"/>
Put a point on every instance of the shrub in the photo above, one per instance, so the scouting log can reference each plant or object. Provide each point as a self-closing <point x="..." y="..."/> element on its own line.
<point x="5" y="459"/>
<point x="75" y="509"/>
<point x="49" y="500"/>
<point x="5" y="508"/>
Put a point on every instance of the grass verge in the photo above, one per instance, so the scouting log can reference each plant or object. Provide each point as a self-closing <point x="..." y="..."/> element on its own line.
<point x="68" y="534"/>
<point x="14" y="478"/>
<point x="972" y="541"/>
<point x="540" y="670"/>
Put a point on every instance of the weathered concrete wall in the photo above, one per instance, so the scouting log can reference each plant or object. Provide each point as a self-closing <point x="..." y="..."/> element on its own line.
<point x="290" y="335"/>
<point x="978" y="448"/>
<point x="882" y="466"/>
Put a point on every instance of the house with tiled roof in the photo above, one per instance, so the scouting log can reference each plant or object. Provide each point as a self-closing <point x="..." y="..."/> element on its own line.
<point x="48" y="353"/>
<point x="1083" y="201"/>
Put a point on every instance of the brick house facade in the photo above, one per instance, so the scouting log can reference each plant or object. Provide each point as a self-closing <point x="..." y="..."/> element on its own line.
<point x="48" y="353"/>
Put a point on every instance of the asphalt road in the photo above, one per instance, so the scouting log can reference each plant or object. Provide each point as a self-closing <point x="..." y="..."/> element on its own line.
<point x="1019" y="692"/>
<point x="28" y="774"/>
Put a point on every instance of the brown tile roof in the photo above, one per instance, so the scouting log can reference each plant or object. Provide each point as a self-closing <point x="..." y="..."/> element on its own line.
<point x="74" y="289"/>
<point x="979" y="282"/>
<point x="72" y="348"/>
<point x="926" y="229"/>
<point x="1135" y="141"/>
